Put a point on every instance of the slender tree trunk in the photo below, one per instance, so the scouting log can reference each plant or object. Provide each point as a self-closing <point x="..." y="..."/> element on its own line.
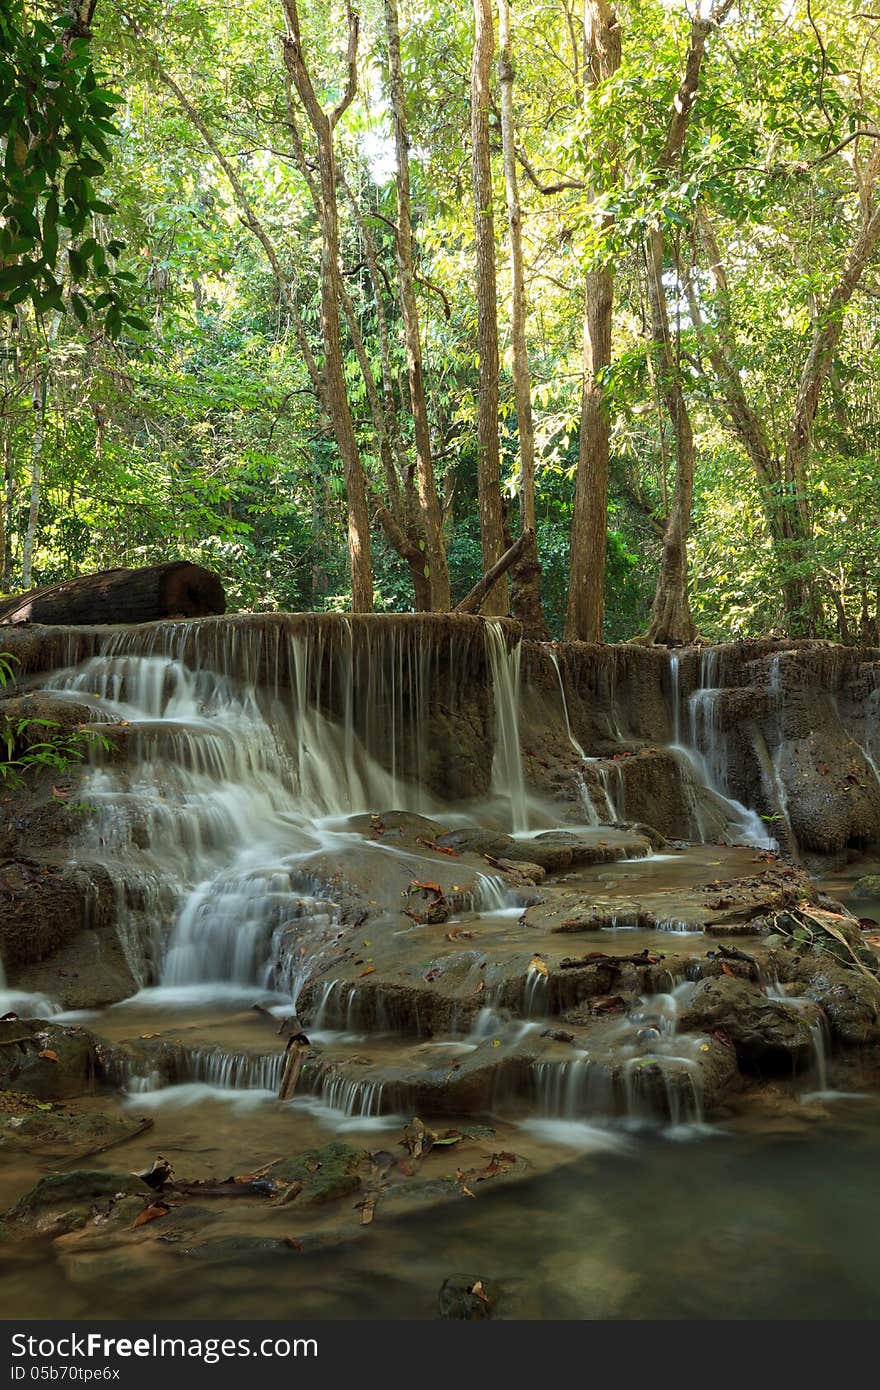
<point x="525" y="594"/>
<point x="671" y="620"/>
<point x="41" y="394"/>
<point x="38" y="439"/>
<point x="323" y="126"/>
<point x="435" y="545"/>
<point x="488" y="455"/>
<point x="585" y="618"/>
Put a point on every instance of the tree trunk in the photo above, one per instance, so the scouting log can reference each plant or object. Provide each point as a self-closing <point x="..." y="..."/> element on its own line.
<point x="329" y="386"/>
<point x="585" y="618"/>
<point x="525" y="591"/>
<point x="323" y="126"/>
<point x="671" y="620"/>
<point x="175" y="589"/>
<point x="37" y="442"/>
<point x="435" y="545"/>
<point x="482" y="590"/>
<point x="488" y="456"/>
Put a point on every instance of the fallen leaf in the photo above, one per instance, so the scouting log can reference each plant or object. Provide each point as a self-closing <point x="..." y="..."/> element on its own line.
<point x="438" y="849"/>
<point x="370" y="970"/>
<point x="445" y="1141"/>
<point x="151" y="1213"/>
<point x="536" y="963"/>
<point x="48" y="1054"/>
<point x="726" y="970"/>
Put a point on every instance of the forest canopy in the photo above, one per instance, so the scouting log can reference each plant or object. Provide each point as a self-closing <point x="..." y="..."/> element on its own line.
<point x="342" y="302"/>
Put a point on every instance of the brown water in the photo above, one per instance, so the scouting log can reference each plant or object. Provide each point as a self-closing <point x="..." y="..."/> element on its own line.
<point x="743" y="1224"/>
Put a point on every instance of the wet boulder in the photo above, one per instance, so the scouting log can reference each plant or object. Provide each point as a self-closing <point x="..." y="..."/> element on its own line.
<point x="848" y="995"/>
<point x="51" y="1061"/>
<point x="473" y="840"/>
<point x="63" y="1202"/>
<point x="766" y="1033"/>
<point x="868" y="886"/>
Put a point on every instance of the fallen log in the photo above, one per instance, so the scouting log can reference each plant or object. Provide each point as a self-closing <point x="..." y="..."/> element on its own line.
<point x="600" y="958"/>
<point x="176" y="589"/>
<point x="472" y="602"/>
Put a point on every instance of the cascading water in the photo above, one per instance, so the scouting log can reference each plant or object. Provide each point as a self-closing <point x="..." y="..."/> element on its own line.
<point x="507" y="772"/>
<point x="610" y="776"/>
<point x="704" y="755"/>
<point x="16" y="1001"/>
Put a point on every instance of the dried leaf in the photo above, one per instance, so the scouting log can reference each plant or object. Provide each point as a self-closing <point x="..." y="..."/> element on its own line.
<point x="48" y="1055"/>
<point x="151" y="1213"/>
<point x="536" y="963"/>
<point x="726" y="970"/>
<point x="370" y="970"/>
<point x="438" y="849"/>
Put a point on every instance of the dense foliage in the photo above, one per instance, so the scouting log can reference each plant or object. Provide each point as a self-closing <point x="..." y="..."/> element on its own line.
<point x="161" y="260"/>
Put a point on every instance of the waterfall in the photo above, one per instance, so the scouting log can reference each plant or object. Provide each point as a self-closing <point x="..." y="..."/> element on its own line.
<point x="704" y="755"/>
<point x="507" y="772"/>
<point x="16" y="1001"/>
<point x="230" y="786"/>
<point x="610" y="774"/>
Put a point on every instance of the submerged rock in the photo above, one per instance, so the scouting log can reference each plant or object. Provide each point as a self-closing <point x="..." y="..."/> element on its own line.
<point x="468" y="1300"/>
<point x="326" y="1174"/>
<point x="868" y="886"/>
<point x="62" y="1202"/>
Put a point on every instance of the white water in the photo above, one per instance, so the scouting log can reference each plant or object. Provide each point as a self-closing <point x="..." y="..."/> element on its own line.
<point x="704" y="755"/>
<point x="507" y="771"/>
<point x="608" y="772"/>
<point x="208" y="829"/>
<point x="16" y="1001"/>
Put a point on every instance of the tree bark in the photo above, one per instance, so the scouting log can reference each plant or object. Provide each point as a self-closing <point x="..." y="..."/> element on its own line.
<point x="360" y="564"/>
<point x="585" y="618"/>
<point x="435" y="545"/>
<point x="671" y="621"/>
<point x="488" y="455"/>
<point x="525" y="591"/>
<point x="323" y="126"/>
<point x="175" y="589"/>
<point x="477" y="598"/>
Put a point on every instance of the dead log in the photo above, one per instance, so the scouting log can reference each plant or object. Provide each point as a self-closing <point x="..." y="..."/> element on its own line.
<point x="176" y="589"/>
<point x="600" y="958"/>
<point x="473" y="601"/>
<point x="294" y="1057"/>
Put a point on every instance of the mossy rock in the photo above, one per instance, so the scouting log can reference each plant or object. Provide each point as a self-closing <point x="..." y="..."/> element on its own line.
<point x="79" y="1186"/>
<point x="867" y="887"/>
<point x="327" y="1174"/>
